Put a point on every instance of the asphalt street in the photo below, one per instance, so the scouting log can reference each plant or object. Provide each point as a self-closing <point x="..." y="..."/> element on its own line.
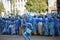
<point x="18" y="37"/>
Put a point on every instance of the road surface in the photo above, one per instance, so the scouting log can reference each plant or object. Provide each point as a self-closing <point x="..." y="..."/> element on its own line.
<point x="18" y="37"/>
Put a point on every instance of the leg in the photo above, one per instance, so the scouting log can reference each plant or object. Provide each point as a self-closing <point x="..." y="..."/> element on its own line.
<point x="28" y="36"/>
<point x="24" y="35"/>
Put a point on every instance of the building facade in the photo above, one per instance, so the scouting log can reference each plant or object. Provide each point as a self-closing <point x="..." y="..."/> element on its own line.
<point x="19" y="4"/>
<point x="52" y="6"/>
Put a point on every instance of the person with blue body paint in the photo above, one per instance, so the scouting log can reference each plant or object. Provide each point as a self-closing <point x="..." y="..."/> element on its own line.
<point x="0" y="28"/>
<point x="35" y="25"/>
<point x="6" y="28"/>
<point x="27" y="31"/>
<point x="46" y="32"/>
<point x="0" y="25"/>
<point x="43" y="24"/>
<point x="22" y="25"/>
<point x="51" y="26"/>
<point x="40" y="25"/>
<point x="27" y="26"/>
<point x="16" y="26"/>
<point x="58" y="25"/>
<point x="55" y="25"/>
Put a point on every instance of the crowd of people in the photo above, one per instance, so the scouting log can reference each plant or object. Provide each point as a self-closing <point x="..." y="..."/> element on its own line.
<point x="48" y="24"/>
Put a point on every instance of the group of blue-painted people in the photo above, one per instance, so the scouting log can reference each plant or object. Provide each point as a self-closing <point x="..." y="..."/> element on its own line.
<point x="49" y="25"/>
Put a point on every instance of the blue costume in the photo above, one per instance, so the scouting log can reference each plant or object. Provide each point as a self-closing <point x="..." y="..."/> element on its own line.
<point x="1" y="27"/>
<point x="27" y="31"/>
<point x="58" y="26"/>
<point x="27" y="28"/>
<point x="16" y="26"/>
<point x="55" y="26"/>
<point x="51" y="26"/>
<point x="40" y="25"/>
<point x="6" y="26"/>
<point x="34" y="25"/>
<point x="45" y="28"/>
